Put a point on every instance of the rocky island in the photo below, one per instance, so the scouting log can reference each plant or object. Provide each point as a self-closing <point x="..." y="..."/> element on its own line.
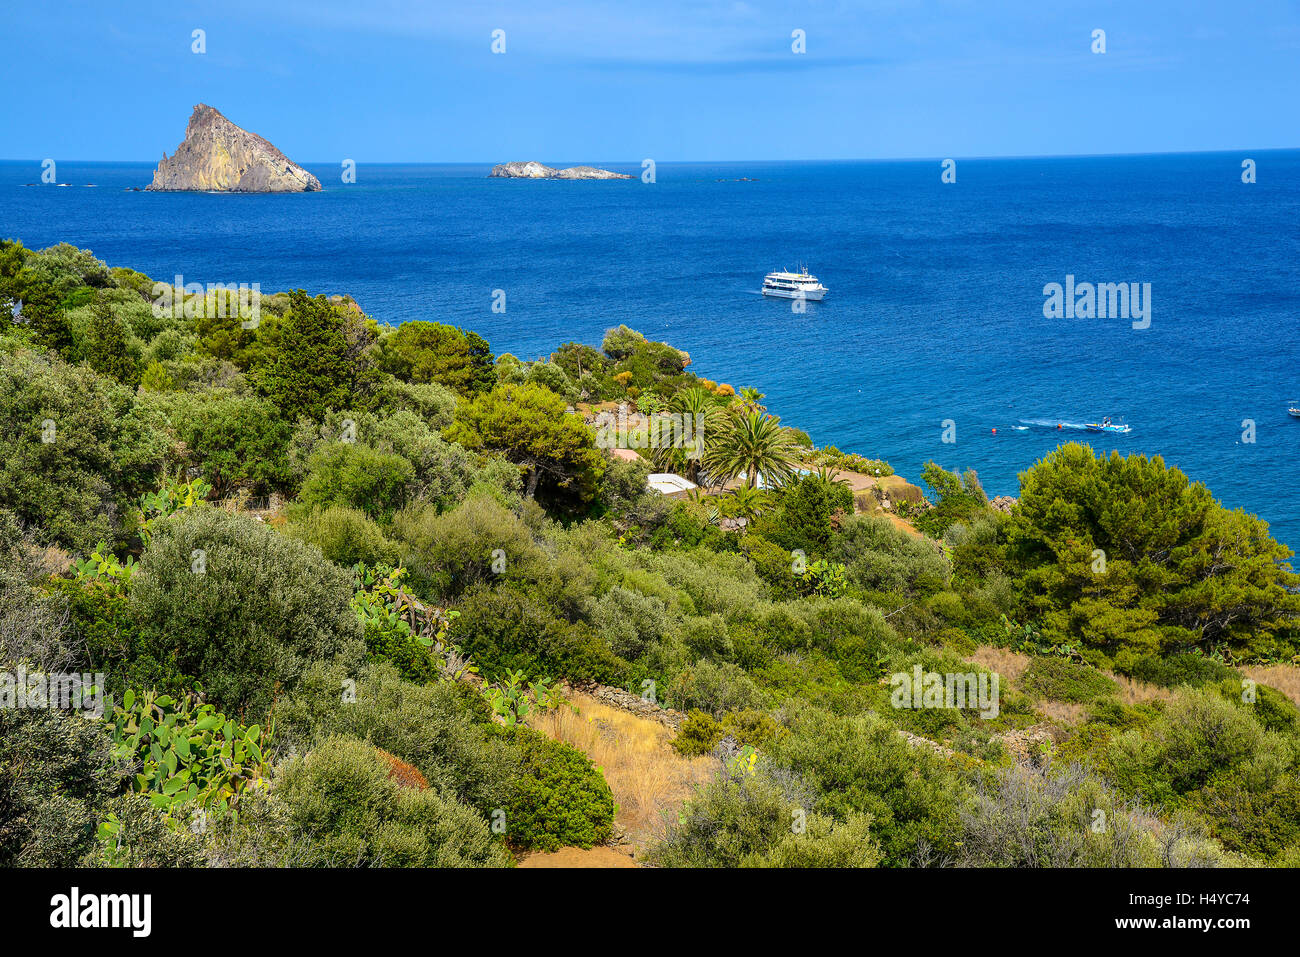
<point x="535" y="170"/>
<point x="218" y="156"/>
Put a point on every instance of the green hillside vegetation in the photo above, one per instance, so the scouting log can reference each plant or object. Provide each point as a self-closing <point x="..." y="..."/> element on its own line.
<point x="329" y="567"/>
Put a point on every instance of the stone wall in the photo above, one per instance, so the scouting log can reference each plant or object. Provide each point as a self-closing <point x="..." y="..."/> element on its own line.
<point x="626" y="701"/>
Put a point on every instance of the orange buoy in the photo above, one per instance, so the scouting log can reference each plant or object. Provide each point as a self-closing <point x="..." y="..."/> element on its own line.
<point x="995" y="431"/>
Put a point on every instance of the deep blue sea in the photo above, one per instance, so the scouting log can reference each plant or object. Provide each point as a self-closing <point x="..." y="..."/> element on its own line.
<point x="935" y="309"/>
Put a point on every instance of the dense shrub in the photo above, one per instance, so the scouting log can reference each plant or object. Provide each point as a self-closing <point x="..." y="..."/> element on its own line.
<point x="629" y="622"/>
<point x="356" y="476"/>
<point x="861" y="764"/>
<point x="344" y="535"/>
<point x="1064" y="680"/>
<point x="855" y="635"/>
<point x="762" y="819"/>
<point x="101" y="622"/>
<point x="1264" y="823"/>
<point x="506" y="629"/>
<point x="559" y="800"/>
<point x="77" y="450"/>
<point x="453" y="551"/>
<point x="1199" y="739"/>
<point x="141" y="837"/>
<point x="713" y="688"/>
<point x="1170" y="671"/>
<point x="237" y="441"/>
<point x="700" y="733"/>
<point x="242" y="608"/>
<point x="442" y="729"/>
<point x="56" y="776"/>
<point x="342" y="801"/>
<point x="431" y="401"/>
<point x="1048" y="817"/>
<point x="880" y="557"/>
<point x="441" y="472"/>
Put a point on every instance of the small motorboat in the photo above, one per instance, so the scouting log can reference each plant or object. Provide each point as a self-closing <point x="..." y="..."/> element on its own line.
<point x="1105" y="425"/>
<point x="1293" y="412"/>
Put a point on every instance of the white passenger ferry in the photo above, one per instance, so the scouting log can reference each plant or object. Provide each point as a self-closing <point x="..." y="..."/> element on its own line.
<point x="793" y="285"/>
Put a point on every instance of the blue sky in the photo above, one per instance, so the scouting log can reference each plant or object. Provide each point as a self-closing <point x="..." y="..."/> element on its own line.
<point x="588" y="81"/>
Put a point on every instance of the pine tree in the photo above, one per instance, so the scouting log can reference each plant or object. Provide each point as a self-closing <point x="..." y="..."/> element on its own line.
<point x="312" y="372"/>
<point x="106" y="349"/>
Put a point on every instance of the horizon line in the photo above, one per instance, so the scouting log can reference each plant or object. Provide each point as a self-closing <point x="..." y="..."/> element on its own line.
<point x="685" y="162"/>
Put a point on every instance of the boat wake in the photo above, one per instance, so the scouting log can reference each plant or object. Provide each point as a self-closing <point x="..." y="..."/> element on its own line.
<point x="1056" y="424"/>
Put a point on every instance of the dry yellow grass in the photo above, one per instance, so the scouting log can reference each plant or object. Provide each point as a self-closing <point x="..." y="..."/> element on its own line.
<point x="646" y="775"/>
<point x="1285" y="678"/>
<point x="1009" y="664"/>
<point x="1062" y="712"/>
<point x="1137" y="692"/>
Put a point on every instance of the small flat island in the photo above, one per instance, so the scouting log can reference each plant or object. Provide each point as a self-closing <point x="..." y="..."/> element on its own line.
<point x="534" y="170"/>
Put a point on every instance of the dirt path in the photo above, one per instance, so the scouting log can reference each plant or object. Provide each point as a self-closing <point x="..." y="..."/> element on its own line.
<point x="635" y="754"/>
<point x="619" y="856"/>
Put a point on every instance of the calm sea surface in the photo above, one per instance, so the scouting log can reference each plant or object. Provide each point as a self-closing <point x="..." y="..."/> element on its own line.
<point x="936" y="296"/>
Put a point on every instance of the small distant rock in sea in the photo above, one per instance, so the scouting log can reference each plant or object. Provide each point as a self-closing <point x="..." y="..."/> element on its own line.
<point x="218" y="156"/>
<point x="535" y="170"/>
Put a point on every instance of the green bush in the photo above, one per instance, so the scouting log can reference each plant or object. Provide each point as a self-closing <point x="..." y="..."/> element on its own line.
<point x="453" y="551"/>
<point x="754" y="818"/>
<point x="56" y="776"/>
<point x="629" y="622"/>
<point x="1199" y="738"/>
<point x="136" y="834"/>
<point x="506" y="629"/>
<point x="880" y="557"/>
<point x="237" y="441"/>
<point x="240" y="607"/>
<point x="441" y="472"/>
<point x="1262" y="823"/>
<point x="344" y="535"/>
<point x="434" y="403"/>
<point x="861" y="764"/>
<point x="356" y="476"/>
<point x="77" y="449"/>
<point x="700" y="733"/>
<point x="560" y="800"/>
<point x="443" y="729"/>
<point x="1170" y="671"/>
<point x="343" y="803"/>
<point x="1062" y="680"/>
<point x="713" y="688"/>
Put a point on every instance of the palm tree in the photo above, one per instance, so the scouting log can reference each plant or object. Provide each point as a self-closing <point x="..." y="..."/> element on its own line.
<point x="751" y="399"/>
<point x="693" y="401"/>
<point x="683" y="454"/>
<point x="753" y="445"/>
<point x="748" y="503"/>
<point x="831" y="475"/>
